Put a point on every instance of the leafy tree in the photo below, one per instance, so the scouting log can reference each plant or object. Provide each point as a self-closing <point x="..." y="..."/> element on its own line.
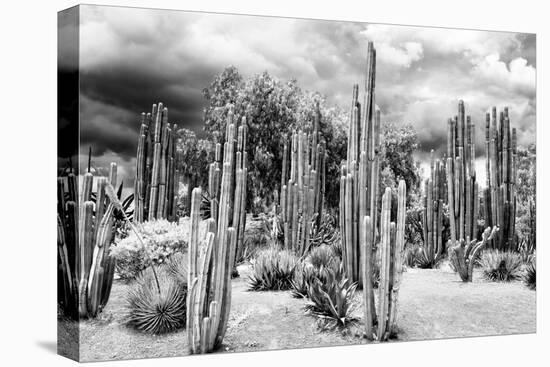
<point x="399" y="142"/>
<point x="273" y="110"/>
<point x="526" y="196"/>
<point x="194" y="156"/>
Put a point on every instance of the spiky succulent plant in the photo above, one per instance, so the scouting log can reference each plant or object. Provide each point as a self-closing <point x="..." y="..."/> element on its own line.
<point x="153" y="311"/>
<point x="530" y="276"/>
<point x="273" y="270"/>
<point x="501" y="266"/>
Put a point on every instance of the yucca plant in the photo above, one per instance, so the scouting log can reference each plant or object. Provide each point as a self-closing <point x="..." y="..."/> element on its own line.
<point x="273" y="270"/>
<point x="530" y="276"/>
<point x="155" y="312"/>
<point x="177" y="267"/>
<point x="501" y="266"/>
<point x="332" y="299"/>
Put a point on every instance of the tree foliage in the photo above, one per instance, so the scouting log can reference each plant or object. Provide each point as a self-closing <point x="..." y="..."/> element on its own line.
<point x="273" y="109"/>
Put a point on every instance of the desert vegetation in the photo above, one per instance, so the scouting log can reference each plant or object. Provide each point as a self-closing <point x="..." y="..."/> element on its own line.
<point x="288" y="198"/>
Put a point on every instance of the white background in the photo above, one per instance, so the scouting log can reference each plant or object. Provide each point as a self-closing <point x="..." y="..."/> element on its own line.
<point x="28" y="166"/>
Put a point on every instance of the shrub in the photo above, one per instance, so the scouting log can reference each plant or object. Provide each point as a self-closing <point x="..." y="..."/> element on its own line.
<point x="332" y="299"/>
<point x="501" y="266"/>
<point x="273" y="270"/>
<point x="530" y="276"/>
<point x="410" y="255"/>
<point x="156" y="312"/>
<point x="162" y="240"/>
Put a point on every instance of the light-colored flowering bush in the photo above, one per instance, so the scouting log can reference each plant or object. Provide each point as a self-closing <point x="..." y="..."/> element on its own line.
<point x="162" y="239"/>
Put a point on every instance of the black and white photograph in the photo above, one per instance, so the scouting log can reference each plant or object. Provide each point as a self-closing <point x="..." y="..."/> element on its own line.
<point x="234" y="183"/>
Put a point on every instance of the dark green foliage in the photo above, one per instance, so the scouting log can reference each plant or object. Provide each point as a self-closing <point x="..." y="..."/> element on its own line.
<point x="332" y="299"/>
<point x="530" y="276"/>
<point x="153" y="312"/>
<point x="501" y="266"/>
<point x="273" y="270"/>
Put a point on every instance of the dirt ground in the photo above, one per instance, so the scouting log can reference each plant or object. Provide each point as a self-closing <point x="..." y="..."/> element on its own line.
<point x="432" y="304"/>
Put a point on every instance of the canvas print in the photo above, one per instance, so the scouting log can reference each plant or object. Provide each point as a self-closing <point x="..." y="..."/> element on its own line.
<point x="233" y="183"/>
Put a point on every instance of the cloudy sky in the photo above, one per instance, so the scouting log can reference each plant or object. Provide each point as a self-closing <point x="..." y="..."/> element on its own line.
<point x="131" y="58"/>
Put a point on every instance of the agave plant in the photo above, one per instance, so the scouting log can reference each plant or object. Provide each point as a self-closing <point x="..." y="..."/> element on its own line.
<point x="304" y="275"/>
<point x="156" y="312"/>
<point x="273" y="270"/>
<point x="322" y="256"/>
<point x="530" y="276"/>
<point x="501" y="266"/>
<point x="332" y="299"/>
<point x="426" y="261"/>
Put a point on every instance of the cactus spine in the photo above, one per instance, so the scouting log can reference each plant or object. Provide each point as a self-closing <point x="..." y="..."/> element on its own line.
<point x="462" y="187"/>
<point x="211" y="264"/>
<point x="500" y="192"/>
<point x="359" y="179"/>
<point x="85" y="231"/>
<point x="155" y="186"/>
<point x="302" y="192"/>
<point x="392" y="240"/>
<point x="433" y="199"/>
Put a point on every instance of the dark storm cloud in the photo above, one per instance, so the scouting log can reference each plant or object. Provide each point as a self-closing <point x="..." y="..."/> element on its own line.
<point x="131" y="58"/>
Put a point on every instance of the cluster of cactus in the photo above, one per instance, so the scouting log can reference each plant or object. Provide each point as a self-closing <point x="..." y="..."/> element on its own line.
<point x="85" y="230"/>
<point x="432" y="215"/>
<point x="155" y="184"/>
<point x="462" y="187"/>
<point x="360" y="171"/>
<point x="500" y="193"/>
<point x="233" y="149"/>
<point x="211" y="264"/>
<point x="463" y="254"/>
<point x="302" y="189"/>
<point x="392" y="239"/>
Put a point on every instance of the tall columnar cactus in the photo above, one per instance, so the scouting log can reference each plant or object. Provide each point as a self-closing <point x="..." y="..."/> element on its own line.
<point x="433" y="199"/>
<point x="359" y="180"/>
<point x="211" y="263"/>
<point x="234" y="151"/>
<point x="84" y="235"/>
<point x="462" y="187"/>
<point x="463" y="254"/>
<point x="155" y="186"/>
<point x="392" y="240"/>
<point x="302" y="191"/>
<point x="500" y="192"/>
